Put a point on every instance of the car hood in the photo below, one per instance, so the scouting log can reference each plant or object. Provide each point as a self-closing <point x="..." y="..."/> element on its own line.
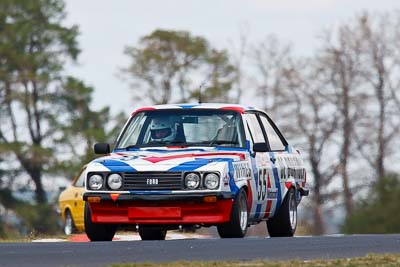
<point x="166" y="159"/>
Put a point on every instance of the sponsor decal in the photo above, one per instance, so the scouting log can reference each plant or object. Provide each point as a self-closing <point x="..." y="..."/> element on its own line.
<point x="272" y="193"/>
<point x="296" y="173"/>
<point x="226" y="180"/>
<point x="241" y="170"/>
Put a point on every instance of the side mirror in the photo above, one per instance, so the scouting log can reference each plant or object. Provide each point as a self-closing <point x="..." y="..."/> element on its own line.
<point x="62" y="188"/>
<point x="102" y="148"/>
<point x="260" y="147"/>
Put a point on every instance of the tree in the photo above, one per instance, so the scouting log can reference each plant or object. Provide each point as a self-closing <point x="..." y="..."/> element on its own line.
<point x="33" y="48"/>
<point x="220" y="75"/>
<point x="239" y="55"/>
<point x="341" y="62"/>
<point x="171" y="66"/>
<point x="293" y="90"/>
<point x="380" y="72"/>
<point x="315" y="125"/>
<point x="271" y="60"/>
<point x="378" y="212"/>
<point x="83" y="128"/>
<point x="362" y="66"/>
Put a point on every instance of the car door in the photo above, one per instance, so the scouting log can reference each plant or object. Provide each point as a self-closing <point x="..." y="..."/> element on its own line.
<point x="280" y="160"/>
<point x="264" y="186"/>
<point x="289" y="162"/>
<point x="77" y="207"/>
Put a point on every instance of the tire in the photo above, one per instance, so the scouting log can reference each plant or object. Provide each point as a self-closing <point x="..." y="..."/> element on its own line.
<point x="98" y="231"/>
<point x="152" y="234"/>
<point x="284" y="223"/>
<point x="69" y="225"/>
<point x="237" y="226"/>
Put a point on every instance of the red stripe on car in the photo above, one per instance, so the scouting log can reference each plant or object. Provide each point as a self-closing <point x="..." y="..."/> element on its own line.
<point x="142" y="109"/>
<point x="158" y="159"/>
<point x="238" y="109"/>
<point x="269" y="202"/>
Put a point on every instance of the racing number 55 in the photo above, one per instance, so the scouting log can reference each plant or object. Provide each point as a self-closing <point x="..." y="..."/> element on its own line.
<point x="262" y="184"/>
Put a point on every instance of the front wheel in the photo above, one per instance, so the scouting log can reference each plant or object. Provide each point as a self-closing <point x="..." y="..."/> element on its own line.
<point x="152" y="234"/>
<point x="284" y="223"/>
<point x="237" y="226"/>
<point x="97" y="231"/>
<point x="69" y="226"/>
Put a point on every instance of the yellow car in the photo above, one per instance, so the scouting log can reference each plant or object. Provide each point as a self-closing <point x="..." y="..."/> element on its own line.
<point x="71" y="204"/>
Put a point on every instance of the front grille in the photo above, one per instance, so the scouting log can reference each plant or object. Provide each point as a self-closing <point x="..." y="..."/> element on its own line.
<point x="153" y="181"/>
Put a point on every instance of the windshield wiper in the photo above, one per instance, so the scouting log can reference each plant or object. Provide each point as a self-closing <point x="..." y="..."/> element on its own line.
<point x="223" y="142"/>
<point x="166" y="143"/>
<point x="130" y="147"/>
<point x="178" y="142"/>
<point x="156" y="143"/>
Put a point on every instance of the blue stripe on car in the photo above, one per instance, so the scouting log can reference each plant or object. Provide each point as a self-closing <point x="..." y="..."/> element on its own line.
<point x="277" y="181"/>
<point x="231" y="149"/>
<point x="116" y="165"/>
<point x="258" y="211"/>
<point x="171" y="151"/>
<point x="255" y="171"/>
<point x="232" y="185"/>
<point x="188" y="106"/>
<point x="200" y="162"/>
<point x="191" y="165"/>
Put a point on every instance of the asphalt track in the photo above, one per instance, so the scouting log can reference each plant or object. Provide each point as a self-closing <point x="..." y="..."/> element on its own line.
<point x="106" y="253"/>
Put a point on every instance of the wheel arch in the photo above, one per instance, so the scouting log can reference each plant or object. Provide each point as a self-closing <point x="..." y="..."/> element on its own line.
<point x="64" y="212"/>
<point x="290" y="183"/>
<point x="245" y="188"/>
<point x="249" y="197"/>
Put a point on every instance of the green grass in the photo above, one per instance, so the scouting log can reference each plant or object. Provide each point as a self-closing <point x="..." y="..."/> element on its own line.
<point x="31" y="237"/>
<point x="372" y="260"/>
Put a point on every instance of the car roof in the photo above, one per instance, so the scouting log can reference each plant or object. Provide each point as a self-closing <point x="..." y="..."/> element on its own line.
<point x="236" y="107"/>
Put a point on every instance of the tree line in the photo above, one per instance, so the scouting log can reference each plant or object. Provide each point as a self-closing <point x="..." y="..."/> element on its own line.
<point x="340" y="105"/>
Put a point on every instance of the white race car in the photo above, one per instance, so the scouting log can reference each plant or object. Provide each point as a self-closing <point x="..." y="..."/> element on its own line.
<point x="193" y="165"/>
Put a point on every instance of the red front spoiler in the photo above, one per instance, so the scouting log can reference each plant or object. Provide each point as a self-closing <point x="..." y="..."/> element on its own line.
<point x="161" y="212"/>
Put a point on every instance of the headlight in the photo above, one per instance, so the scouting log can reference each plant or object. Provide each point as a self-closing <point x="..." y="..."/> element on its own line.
<point x="114" y="181"/>
<point x="192" y="180"/>
<point x="95" y="182"/>
<point x="211" y="181"/>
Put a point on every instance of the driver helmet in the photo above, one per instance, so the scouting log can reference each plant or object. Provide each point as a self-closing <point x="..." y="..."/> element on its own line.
<point x="162" y="129"/>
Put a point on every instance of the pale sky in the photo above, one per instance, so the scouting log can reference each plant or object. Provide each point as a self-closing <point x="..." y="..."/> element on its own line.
<point x="106" y="27"/>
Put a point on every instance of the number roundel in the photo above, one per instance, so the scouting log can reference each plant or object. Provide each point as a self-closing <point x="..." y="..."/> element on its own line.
<point x="262" y="184"/>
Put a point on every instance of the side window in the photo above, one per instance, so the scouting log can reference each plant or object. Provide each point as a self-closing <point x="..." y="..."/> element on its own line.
<point x="132" y="133"/>
<point x="275" y="141"/>
<point x="255" y="128"/>
<point x="81" y="179"/>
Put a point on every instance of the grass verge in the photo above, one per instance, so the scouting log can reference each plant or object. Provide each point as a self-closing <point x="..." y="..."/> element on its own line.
<point x="32" y="237"/>
<point x="379" y="260"/>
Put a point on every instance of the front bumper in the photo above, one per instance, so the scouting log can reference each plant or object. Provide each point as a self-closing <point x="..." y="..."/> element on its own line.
<point x="161" y="209"/>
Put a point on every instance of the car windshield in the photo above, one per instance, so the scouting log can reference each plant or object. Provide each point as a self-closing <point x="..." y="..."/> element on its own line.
<point x="183" y="127"/>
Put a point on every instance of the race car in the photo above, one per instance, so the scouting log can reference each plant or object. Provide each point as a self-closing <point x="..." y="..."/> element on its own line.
<point x="71" y="204"/>
<point x="194" y="165"/>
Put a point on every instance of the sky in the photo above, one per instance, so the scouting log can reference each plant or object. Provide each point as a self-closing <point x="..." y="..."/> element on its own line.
<point x="107" y="27"/>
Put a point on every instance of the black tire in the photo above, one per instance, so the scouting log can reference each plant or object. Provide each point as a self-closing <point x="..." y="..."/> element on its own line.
<point x="237" y="226"/>
<point x="284" y="223"/>
<point x="69" y="225"/>
<point x="98" y="231"/>
<point x="152" y="234"/>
